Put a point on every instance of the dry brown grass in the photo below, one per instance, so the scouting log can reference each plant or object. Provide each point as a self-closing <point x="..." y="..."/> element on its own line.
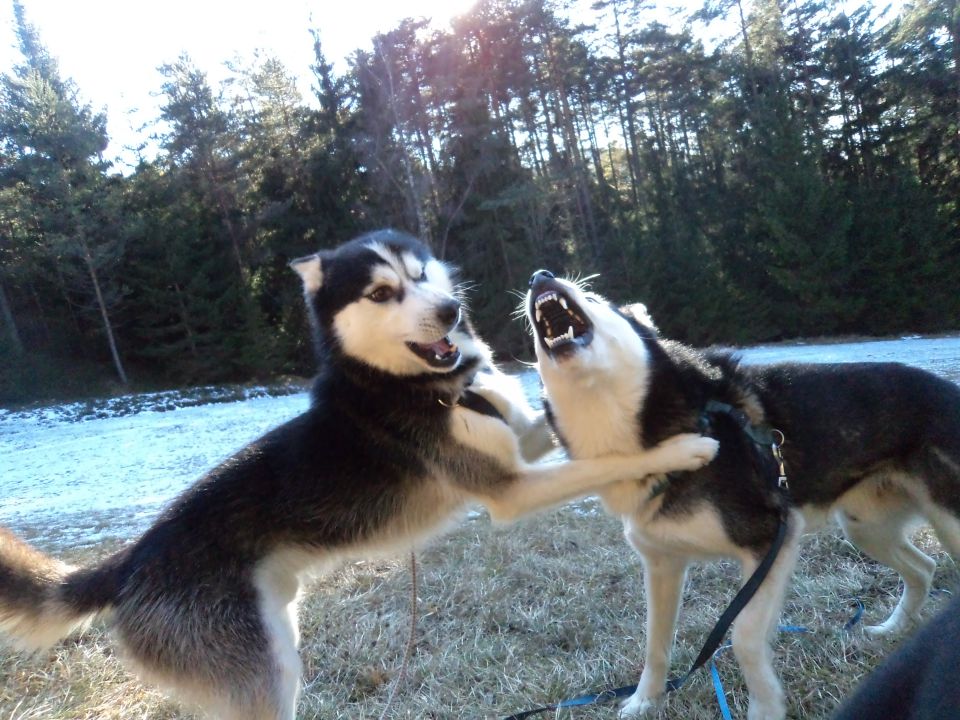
<point x="510" y="618"/>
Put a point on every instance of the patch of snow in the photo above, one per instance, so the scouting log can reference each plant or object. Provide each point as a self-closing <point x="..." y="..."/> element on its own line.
<point x="125" y="466"/>
<point x="81" y="473"/>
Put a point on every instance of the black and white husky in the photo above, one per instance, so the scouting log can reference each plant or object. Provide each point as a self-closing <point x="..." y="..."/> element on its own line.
<point x="394" y="443"/>
<point x="874" y="446"/>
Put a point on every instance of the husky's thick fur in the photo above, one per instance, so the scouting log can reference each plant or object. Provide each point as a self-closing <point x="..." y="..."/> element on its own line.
<point x="874" y="446"/>
<point x="204" y="603"/>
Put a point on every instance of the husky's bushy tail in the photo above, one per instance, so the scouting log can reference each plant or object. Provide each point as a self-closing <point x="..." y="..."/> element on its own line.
<point x="43" y="599"/>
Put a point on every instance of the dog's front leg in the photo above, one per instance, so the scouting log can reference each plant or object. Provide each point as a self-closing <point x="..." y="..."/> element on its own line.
<point x="540" y="486"/>
<point x="663" y="577"/>
<point x="754" y="628"/>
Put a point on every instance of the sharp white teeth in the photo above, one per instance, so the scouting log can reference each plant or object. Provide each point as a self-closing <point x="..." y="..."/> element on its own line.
<point x="545" y="298"/>
<point x="552" y="342"/>
<point x="563" y="303"/>
<point x="539" y="314"/>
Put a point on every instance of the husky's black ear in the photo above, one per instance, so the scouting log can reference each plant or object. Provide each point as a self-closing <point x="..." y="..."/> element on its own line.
<point x="310" y="270"/>
<point x="638" y="312"/>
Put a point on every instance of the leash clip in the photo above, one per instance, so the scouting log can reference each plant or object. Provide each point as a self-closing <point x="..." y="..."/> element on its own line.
<point x="778" y="456"/>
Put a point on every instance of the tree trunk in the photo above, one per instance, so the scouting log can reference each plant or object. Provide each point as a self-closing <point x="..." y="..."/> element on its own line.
<point x="9" y="322"/>
<point x="101" y="304"/>
<point x="630" y="139"/>
<point x="184" y="318"/>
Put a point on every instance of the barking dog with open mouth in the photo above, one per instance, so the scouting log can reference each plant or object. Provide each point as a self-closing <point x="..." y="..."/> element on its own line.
<point x="874" y="446"/>
<point x="409" y="421"/>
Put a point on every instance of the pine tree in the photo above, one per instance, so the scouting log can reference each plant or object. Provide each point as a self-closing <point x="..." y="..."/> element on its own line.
<point x="53" y="144"/>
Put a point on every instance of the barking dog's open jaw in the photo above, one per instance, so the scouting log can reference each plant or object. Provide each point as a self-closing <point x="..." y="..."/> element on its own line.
<point x="561" y="325"/>
<point x="442" y="354"/>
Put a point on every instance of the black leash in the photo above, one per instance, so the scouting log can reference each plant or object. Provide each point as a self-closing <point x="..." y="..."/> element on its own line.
<point x="762" y="437"/>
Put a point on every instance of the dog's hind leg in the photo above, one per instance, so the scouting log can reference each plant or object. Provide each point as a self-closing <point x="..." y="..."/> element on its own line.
<point x="947" y="527"/>
<point x="880" y="530"/>
<point x="663" y="577"/>
<point x="755" y="626"/>
<point x="270" y="690"/>
<point x="941" y="506"/>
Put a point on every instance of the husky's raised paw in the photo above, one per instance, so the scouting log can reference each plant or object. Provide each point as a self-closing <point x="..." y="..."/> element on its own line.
<point x="692" y="451"/>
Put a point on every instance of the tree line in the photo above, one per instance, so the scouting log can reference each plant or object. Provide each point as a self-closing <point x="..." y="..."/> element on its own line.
<point x="800" y="177"/>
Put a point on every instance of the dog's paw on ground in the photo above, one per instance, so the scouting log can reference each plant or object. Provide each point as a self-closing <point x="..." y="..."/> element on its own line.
<point x="637" y="706"/>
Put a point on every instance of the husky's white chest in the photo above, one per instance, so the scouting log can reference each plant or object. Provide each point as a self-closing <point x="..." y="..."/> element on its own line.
<point x="599" y="418"/>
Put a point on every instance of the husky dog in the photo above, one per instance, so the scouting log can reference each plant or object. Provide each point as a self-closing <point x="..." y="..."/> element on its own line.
<point x="874" y="446"/>
<point x="409" y="421"/>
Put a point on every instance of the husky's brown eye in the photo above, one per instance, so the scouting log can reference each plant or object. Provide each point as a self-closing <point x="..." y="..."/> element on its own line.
<point x="382" y="294"/>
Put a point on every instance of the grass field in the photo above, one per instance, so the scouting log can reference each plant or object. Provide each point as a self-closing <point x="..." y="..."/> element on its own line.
<point x="509" y="618"/>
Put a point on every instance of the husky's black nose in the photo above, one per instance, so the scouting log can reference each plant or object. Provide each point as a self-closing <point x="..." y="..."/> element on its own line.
<point x="540" y="275"/>
<point x="449" y="312"/>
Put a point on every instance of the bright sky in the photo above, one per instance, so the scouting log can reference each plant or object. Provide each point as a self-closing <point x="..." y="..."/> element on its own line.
<point x="111" y="48"/>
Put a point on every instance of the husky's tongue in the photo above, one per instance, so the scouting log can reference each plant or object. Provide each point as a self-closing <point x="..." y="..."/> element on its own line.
<point x="441" y="347"/>
<point x="439" y="354"/>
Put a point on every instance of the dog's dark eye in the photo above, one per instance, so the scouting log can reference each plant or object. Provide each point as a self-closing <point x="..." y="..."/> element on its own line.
<point x="423" y="275"/>
<point x="382" y="294"/>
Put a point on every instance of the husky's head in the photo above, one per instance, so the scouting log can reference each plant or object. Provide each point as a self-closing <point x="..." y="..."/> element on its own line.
<point x="384" y="300"/>
<point x="577" y="330"/>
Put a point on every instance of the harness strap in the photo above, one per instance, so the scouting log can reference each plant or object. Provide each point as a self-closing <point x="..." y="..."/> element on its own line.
<point x="472" y="400"/>
<point x="761" y="435"/>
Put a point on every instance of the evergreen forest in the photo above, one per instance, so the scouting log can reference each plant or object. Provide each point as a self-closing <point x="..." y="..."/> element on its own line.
<point x="799" y="177"/>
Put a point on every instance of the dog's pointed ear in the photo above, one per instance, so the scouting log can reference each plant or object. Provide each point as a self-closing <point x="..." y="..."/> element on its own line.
<point x="638" y="311"/>
<point x="310" y="270"/>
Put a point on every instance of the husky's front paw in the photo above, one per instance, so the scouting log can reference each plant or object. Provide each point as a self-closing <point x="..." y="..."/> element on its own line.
<point x="692" y="451"/>
<point x="890" y="629"/>
<point x="771" y="711"/>
<point x="638" y="705"/>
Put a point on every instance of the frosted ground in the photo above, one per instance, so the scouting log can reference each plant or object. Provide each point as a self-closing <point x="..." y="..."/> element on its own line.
<point x="79" y="474"/>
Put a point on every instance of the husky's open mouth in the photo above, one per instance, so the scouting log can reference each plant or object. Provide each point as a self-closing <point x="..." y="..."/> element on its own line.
<point x="440" y="354"/>
<point x="561" y="325"/>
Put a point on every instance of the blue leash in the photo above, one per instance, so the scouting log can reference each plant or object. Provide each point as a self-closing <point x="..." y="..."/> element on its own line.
<point x="715" y="674"/>
<point x="596" y="699"/>
<point x="627" y="690"/>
